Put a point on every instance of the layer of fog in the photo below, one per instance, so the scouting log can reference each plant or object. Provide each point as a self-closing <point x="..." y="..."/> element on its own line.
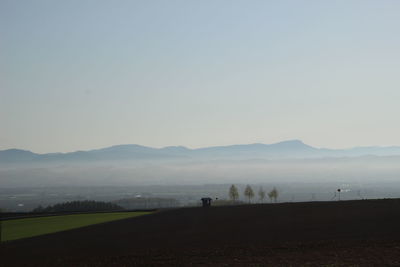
<point x="24" y="187"/>
<point x="360" y="171"/>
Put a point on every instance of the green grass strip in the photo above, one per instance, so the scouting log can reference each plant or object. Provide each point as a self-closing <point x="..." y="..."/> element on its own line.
<point x="28" y="227"/>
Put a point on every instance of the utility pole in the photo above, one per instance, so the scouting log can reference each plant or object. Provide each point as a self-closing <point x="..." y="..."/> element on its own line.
<point x="1" y="224"/>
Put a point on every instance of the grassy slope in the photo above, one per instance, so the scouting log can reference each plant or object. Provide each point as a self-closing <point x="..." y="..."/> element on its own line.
<point x="22" y="228"/>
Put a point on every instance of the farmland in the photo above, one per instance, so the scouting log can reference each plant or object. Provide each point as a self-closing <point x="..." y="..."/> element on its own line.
<point x="29" y="227"/>
<point x="340" y="233"/>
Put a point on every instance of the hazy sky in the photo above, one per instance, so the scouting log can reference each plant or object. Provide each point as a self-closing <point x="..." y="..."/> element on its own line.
<point x="87" y="74"/>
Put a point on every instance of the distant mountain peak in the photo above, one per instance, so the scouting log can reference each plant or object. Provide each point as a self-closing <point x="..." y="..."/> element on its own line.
<point x="292" y="144"/>
<point x="125" y="147"/>
<point x="15" y="150"/>
<point x="13" y="154"/>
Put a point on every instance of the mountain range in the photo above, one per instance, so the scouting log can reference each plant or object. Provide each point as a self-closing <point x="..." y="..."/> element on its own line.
<point x="282" y="150"/>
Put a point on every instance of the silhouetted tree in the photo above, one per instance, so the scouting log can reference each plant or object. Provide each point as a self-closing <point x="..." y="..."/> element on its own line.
<point x="248" y="192"/>
<point x="261" y="194"/>
<point x="233" y="193"/>
<point x="273" y="194"/>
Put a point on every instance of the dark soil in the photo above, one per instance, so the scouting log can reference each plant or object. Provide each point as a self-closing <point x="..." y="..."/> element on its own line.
<point x="356" y="233"/>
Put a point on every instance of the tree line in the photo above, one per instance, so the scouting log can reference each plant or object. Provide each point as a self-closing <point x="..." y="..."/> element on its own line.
<point x="86" y="205"/>
<point x="249" y="194"/>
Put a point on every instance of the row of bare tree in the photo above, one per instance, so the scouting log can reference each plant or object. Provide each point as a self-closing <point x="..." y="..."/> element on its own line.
<point x="249" y="194"/>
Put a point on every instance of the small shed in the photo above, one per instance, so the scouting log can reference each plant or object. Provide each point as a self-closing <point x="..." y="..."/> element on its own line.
<point x="206" y="202"/>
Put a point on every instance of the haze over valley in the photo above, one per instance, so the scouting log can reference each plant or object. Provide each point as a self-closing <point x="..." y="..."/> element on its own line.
<point x="301" y="173"/>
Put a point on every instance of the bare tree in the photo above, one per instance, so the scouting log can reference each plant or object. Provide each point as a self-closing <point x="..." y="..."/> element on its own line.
<point x="273" y="194"/>
<point x="270" y="195"/>
<point x="233" y="193"/>
<point x="248" y="192"/>
<point x="261" y="194"/>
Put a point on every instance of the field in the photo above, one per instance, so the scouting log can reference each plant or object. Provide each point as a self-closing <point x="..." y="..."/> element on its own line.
<point x="341" y="233"/>
<point x="28" y="227"/>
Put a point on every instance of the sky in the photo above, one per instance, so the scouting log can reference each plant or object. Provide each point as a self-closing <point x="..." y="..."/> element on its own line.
<point x="80" y="74"/>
